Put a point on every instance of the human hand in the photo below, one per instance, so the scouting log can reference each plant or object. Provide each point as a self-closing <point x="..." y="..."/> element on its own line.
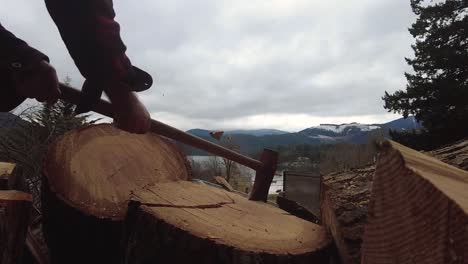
<point x="129" y="113"/>
<point x="39" y="81"/>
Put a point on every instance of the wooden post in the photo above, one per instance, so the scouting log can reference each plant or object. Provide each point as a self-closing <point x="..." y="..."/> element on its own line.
<point x="14" y="219"/>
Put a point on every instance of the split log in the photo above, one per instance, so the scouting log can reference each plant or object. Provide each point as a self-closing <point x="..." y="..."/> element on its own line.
<point x="185" y="222"/>
<point x="89" y="176"/>
<point x="15" y="209"/>
<point x="418" y="211"/>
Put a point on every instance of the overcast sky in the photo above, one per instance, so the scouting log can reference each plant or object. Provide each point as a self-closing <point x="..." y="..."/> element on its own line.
<point x="221" y="64"/>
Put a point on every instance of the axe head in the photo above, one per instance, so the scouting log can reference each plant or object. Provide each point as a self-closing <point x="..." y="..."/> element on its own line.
<point x="264" y="176"/>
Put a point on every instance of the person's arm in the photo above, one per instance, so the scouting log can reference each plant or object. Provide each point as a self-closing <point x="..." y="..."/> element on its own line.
<point x="92" y="37"/>
<point x="14" y="50"/>
<point x="19" y="65"/>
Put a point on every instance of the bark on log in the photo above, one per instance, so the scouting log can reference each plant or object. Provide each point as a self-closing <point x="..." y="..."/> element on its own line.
<point x="14" y="218"/>
<point x="343" y="206"/>
<point x="184" y="222"/>
<point x="89" y="176"/>
<point x="418" y="211"/>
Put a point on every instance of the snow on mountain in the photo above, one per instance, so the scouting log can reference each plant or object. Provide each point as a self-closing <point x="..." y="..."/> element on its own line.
<point x="325" y="131"/>
<point x="346" y="127"/>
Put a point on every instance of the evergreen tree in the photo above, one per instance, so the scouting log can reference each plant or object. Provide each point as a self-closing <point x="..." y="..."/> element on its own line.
<point x="437" y="90"/>
<point x="27" y="143"/>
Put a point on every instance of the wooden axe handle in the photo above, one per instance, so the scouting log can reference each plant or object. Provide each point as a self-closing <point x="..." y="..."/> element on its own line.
<point x="72" y="95"/>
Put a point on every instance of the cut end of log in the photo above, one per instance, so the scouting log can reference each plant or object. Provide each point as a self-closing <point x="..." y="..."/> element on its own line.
<point x="207" y="215"/>
<point x="97" y="168"/>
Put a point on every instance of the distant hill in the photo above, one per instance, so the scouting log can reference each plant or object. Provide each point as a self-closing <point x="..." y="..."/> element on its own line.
<point x="257" y="132"/>
<point x="254" y="141"/>
<point x="199" y="132"/>
<point x="403" y="124"/>
<point x="252" y="132"/>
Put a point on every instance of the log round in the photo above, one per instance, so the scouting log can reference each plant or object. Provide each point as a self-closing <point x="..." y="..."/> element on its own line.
<point x="89" y="176"/>
<point x="185" y="222"/>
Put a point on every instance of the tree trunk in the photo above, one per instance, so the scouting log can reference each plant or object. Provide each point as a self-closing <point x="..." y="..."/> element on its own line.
<point x="184" y="222"/>
<point x="89" y="176"/>
<point x="15" y="209"/>
<point x="418" y="211"/>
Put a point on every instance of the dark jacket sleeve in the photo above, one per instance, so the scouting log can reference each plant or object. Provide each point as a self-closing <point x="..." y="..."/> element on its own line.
<point x="15" y="54"/>
<point x="14" y="50"/>
<point x="92" y="37"/>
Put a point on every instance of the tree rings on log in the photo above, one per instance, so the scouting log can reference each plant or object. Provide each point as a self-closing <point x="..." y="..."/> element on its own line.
<point x="95" y="169"/>
<point x="89" y="176"/>
<point x="185" y="222"/>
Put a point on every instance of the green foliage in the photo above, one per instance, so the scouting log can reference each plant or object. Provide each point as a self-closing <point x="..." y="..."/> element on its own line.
<point x="345" y="156"/>
<point x="416" y="139"/>
<point x="326" y="158"/>
<point x="26" y="144"/>
<point x="437" y="90"/>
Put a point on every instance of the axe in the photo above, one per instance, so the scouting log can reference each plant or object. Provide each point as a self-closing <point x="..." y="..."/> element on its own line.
<point x="265" y="168"/>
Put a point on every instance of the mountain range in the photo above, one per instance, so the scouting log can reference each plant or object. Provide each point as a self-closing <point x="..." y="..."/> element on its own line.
<point x="252" y="141"/>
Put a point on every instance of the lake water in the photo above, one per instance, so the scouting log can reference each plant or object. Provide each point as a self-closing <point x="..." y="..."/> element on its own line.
<point x="276" y="184"/>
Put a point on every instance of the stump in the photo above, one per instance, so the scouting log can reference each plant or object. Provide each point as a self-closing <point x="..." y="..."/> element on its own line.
<point x="89" y="176"/>
<point x="185" y="222"/>
<point x="418" y="211"/>
<point x="14" y="218"/>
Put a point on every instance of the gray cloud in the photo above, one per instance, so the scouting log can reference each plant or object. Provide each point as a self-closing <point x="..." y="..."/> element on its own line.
<point x="218" y="61"/>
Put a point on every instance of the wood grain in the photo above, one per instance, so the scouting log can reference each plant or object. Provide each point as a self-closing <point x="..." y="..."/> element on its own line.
<point x="95" y="169"/>
<point x="179" y="221"/>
